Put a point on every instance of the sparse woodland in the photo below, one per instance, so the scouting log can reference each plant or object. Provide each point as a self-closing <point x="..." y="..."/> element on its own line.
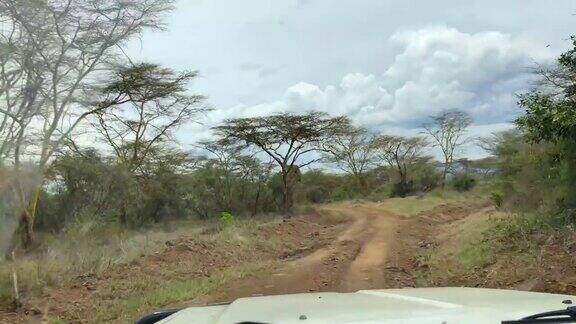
<point x="88" y="135"/>
<point x="88" y="141"/>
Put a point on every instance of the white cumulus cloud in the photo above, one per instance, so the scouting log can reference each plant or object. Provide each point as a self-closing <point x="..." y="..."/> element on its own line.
<point x="436" y="68"/>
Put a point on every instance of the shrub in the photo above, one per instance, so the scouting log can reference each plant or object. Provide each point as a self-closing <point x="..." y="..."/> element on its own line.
<point x="497" y="199"/>
<point x="340" y="194"/>
<point x="402" y="189"/>
<point x="226" y="218"/>
<point x="426" y="177"/>
<point x="317" y="186"/>
<point x="463" y="182"/>
<point x="317" y="194"/>
<point x="427" y="182"/>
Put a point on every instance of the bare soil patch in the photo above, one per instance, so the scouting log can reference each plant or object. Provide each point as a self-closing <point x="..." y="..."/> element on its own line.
<point x="353" y="260"/>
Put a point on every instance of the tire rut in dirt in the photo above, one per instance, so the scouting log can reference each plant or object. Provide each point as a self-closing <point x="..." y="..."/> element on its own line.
<point x="354" y="260"/>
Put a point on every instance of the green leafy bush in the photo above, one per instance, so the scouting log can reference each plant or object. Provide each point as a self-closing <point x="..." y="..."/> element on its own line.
<point x="340" y="194"/>
<point x="402" y="189"/>
<point x="463" y="182"/>
<point x="317" y="194"/>
<point x="226" y="218"/>
<point x="497" y="199"/>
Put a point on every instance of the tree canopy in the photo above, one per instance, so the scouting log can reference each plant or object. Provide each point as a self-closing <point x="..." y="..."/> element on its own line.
<point x="155" y="103"/>
<point x="286" y="138"/>
<point x="447" y="130"/>
<point x="353" y="152"/>
<point x="551" y="107"/>
<point x="401" y="153"/>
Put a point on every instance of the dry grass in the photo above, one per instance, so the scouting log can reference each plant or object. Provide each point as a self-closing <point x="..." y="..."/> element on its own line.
<point x="77" y="253"/>
<point x="460" y="248"/>
<point x="333" y="216"/>
<point x="497" y="249"/>
<point x="88" y="251"/>
<point x="414" y="205"/>
<point x="169" y="293"/>
<point x="410" y="206"/>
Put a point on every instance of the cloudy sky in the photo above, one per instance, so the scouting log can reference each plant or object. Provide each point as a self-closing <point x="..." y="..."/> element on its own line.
<point x="386" y="64"/>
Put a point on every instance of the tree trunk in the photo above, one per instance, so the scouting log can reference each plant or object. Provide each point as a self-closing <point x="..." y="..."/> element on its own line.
<point x="256" y="201"/>
<point x="403" y="185"/>
<point x="26" y="229"/>
<point x="16" y="303"/>
<point x="27" y="220"/>
<point x="24" y="234"/>
<point x="286" y="196"/>
<point x="444" y="174"/>
<point x="362" y="183"/>
<point x="403" y="188"/>
<point x="123" y="217"/>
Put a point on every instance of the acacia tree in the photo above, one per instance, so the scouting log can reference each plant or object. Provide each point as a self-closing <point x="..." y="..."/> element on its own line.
<point x="227" y="161"/>
<point x="286" y="138"/>
<point x="448" y="130"/>
<point x="52" y="53"/>
<point x="400" y="153"/>
<point x="241" y="178"/>
<point x="353" y="152"/>
<point x="155" y="103"/>
<point x="257" y="172"/>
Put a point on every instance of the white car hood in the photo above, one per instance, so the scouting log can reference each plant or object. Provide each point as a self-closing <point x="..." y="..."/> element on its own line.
<point x="413" y="305"/>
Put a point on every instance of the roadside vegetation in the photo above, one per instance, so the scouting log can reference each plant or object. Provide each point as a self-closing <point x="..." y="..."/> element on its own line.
<point x="530" y="227"/>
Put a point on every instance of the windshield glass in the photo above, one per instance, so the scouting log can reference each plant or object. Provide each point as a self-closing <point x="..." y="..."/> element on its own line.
<point x="164" y="153"/>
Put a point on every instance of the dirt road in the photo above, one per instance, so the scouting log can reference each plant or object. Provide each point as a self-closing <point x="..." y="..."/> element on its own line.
<point x="355" y="260"/>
